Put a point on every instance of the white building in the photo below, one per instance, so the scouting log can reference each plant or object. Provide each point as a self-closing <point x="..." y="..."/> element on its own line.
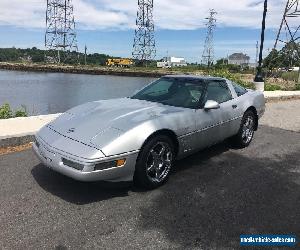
<point x="294" y="69"/>
<point x="172" y="61"/>
<point x="239" y="59"/>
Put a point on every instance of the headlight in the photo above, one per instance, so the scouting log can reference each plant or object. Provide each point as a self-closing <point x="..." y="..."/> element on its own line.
<point x="72" y="164"/>
<point x="111" y="164"/>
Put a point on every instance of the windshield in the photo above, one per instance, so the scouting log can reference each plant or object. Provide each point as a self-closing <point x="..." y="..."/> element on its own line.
<point x="178" y="92"/>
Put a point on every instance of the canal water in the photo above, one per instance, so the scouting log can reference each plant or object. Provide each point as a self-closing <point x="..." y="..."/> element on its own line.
<point x="48" y="93"/>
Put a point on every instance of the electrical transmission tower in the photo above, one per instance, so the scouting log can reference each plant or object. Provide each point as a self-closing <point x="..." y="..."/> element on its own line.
<point x="208" y="53"/>
<point x="144" y="41"/>
<point x="287" y="45"/>
<point x="60" y="37"/>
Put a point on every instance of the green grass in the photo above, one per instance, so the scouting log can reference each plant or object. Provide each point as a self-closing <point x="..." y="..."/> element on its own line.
<point x="290" y="76"/>
<point x="297" y="86"/>
<point x="235" y="77"/>
<point x="272" y="87"/>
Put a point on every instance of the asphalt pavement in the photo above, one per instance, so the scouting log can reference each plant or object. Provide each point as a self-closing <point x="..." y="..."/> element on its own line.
<point x="211" y="198"/>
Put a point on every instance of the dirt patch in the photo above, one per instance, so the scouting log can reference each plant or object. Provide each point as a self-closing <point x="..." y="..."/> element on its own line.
<point x="9" y="150"/>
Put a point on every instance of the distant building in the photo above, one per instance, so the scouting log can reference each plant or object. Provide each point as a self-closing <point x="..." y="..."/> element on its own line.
<point x="171" y="61"/>
<point x="294" y="69"/>
<point x="239" y="59"/>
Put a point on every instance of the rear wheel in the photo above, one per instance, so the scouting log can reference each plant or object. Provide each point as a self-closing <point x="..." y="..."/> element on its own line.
<point x="246" y="132"/>
<point x="155" y="162"/>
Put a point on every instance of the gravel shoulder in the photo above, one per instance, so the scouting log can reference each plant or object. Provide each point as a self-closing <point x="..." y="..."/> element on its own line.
<point x="284" y="115"/>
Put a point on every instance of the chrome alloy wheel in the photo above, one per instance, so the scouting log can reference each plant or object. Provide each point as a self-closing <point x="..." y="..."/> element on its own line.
<point x="248" y="129"/>
<point x="159" y="162"/>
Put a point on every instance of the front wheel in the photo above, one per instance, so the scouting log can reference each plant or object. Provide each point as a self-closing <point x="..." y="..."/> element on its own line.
<point x="246" y="131"/>
<point x="155" y="162"/>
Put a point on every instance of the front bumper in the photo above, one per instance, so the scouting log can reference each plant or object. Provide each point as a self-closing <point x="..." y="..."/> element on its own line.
<point x="53" y="159"/>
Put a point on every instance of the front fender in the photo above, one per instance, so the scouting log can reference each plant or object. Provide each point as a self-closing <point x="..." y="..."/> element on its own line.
<point x="119" y="142"/>
<point x="130" y="136"/>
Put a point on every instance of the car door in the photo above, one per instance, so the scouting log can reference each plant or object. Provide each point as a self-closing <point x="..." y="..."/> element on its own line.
<point x="237" y="102"/>
<point x="213" y="126"/>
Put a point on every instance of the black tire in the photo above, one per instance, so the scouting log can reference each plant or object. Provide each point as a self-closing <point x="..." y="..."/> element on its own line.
<point x="243" y="139"/>
<point x="148" y="168"/>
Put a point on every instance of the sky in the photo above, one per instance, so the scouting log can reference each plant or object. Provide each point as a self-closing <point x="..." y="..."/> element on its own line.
<point x="107" y="26"/>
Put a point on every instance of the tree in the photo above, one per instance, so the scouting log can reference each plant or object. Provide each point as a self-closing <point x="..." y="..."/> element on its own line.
<point x="272" y="60"/>
<point x="287" y="57"/>
<point x="222" y="61"/>
<point x="37" y="55"/>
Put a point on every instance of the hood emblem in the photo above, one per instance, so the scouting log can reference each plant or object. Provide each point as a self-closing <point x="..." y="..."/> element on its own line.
<point x="71" y="130"/>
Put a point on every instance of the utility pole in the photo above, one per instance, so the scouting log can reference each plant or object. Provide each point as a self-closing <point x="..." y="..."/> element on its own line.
<point x="60" y="35"/>
<point x="257" y="49"/>
<point x="208" y="52"/>
<point x="85" y="50"/>
<point x="259" y="78"/>
<point x="144" y="41"/>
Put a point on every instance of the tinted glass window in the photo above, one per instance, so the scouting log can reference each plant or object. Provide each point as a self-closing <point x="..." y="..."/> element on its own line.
<point x="218" y="91"/>
<point x="158" y="89"/>
<point x="178" y="92"/>
<point x="239" y="89"/>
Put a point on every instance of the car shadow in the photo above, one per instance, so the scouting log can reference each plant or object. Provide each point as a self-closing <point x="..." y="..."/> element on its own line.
<point x="202" y="156"/>
<point x="83" y="193"/>
<point x="213" y="196"/>
<point x="228" y="193"/>
<point x="76" y="192"/>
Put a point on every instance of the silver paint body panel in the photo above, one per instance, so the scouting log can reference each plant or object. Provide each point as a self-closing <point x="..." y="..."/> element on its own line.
<point x="102" y="131"/>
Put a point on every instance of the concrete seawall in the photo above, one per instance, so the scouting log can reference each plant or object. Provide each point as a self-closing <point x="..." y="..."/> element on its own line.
<point x="85" y="70"/>
<point x="18" y="131"/>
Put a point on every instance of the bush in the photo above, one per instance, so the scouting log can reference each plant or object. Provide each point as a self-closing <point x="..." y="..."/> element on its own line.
<point x="7" y="113"/>
<point x="297" y="87"/>
<point x="21" y="112"/>
<point x="234" y="68"/>
<point x="290" y="76"/>
<point x="232" y="77"/>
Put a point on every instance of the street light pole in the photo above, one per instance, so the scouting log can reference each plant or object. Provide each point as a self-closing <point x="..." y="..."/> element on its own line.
<point x="85" y="49"/>
<point x="259" y="78"/>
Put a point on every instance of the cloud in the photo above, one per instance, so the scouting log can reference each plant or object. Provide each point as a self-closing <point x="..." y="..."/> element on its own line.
<point x="22" y="13"/>
<point x="90" y="17"/>
<point x="168" y="14"/>
<point x="173" y="14"/>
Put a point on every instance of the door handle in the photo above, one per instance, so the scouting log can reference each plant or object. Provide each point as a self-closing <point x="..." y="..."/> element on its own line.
<point x="234" y="106"/>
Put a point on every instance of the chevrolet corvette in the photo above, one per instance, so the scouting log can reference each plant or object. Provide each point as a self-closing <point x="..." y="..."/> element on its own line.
<point x="139" y="137"/>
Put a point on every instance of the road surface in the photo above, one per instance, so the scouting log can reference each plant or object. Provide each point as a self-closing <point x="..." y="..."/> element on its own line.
<point x="211" y="198"/>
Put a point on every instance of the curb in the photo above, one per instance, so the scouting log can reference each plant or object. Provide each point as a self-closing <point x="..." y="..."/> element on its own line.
<point x="282" y="98"/>
<point x="16" y="141"/>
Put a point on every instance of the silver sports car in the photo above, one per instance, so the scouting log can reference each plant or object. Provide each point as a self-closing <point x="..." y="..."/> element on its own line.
<point x="139" y="138"/>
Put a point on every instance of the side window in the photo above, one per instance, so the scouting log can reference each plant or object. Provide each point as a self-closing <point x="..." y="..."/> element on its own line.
<point x="161" y="88"/>
<point x="218" y="91"/>
<point x="239" y="89"/>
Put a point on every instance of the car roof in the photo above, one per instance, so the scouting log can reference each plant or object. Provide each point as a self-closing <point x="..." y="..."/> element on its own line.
<point x="196" y="77"/>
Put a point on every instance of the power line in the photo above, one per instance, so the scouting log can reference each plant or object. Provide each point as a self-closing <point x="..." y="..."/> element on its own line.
<point x="208" y="52"/>
<point x="144" y="40"/>
<point x="60" y="36"/>
<point x="288" y="36"/>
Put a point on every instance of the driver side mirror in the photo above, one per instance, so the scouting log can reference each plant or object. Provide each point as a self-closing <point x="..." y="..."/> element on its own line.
<point x="210" y="104"/>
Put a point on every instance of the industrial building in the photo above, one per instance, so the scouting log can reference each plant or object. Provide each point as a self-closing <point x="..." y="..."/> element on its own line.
<point x="171" y="61"/>
<point x="239" y="59"/>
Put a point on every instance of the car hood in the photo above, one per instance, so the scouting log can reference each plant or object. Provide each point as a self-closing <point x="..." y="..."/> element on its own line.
<point x="85" y="122"/>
